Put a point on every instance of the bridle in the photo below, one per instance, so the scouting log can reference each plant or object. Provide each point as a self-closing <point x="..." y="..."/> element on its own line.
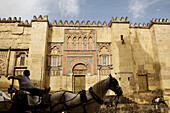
<point x="100" y="101"/>
<point x="115" y="82"/>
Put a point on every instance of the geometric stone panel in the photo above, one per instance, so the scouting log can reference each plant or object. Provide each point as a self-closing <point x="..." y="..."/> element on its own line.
<point x="2" y="67"/>
<point x="3" y="59"/>
<point x="3" y="55"/>
<point x="80" y="39"/>
<point x="88" y="58"/>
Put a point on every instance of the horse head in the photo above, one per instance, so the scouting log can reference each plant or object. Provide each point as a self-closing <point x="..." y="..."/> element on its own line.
<point x="114" y="86"/>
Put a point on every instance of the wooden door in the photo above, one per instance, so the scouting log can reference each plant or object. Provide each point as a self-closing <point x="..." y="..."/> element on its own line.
<point x="143" y="84"/>
<point x="79" y="83"/>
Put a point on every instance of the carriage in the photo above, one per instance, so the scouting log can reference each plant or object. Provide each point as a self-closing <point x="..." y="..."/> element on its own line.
<point x="83" y="102"/>
<point x="5" y="102"/>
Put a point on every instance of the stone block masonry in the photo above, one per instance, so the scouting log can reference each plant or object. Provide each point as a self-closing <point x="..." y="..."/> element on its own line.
<point x="61" y="53"/>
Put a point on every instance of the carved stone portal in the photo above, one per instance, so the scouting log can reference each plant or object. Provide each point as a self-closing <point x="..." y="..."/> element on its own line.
<point x="80" y="48"/>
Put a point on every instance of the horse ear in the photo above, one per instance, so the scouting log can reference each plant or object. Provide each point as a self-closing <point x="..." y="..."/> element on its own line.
<point x="110" y="76"/>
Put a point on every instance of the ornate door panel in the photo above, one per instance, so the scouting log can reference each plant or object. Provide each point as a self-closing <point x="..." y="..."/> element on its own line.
<point x="79" y="83"/>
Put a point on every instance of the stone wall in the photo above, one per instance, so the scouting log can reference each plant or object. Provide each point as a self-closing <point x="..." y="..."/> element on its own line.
<point x="134" y="52"/>
<point x="161" y="38"/>
<point x="13" y="39"/>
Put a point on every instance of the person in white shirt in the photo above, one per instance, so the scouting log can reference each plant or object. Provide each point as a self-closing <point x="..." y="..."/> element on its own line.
<point x="26" y="84"/>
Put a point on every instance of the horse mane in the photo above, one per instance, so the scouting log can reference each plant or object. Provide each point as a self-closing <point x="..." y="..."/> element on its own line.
<point x="102" y="86"/>
<point x="106" y="80"/>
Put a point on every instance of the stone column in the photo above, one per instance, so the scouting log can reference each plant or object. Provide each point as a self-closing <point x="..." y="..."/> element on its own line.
<point x="38" y="51"/>
<point x="121" y="53"/>
<point x="12" y="63"/>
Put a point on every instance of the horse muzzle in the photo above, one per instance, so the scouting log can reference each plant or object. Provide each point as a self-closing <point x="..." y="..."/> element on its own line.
<point x="119" y="91"/>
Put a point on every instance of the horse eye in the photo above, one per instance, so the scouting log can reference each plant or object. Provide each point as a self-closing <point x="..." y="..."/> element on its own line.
<point x="115" y="81"/>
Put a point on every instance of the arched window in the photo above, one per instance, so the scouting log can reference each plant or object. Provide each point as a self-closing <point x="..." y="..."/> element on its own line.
<point x="104" y="59"/>
<point x="74" y="43"/>
<point x="104" y="54"/>
<point x="69" y="43"/>
<point x="80" y="43"/>
<point x="104" y="50"/>
<point x="21" y="62"/>
<point x="90" y="43"/>
<point x="54" y="50"/>
<point x="85" y="44"/>
<point x="54" y="56"/>
<point x="21" y="59"/>
<point x="54" y="61"/>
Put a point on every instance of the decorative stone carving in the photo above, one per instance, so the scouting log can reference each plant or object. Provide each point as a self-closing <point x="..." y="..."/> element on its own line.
<point x="104" y="58"/>
<point x="3" y="59"/>
<point x="54" y="58"/>
<point x="2" y="67"/>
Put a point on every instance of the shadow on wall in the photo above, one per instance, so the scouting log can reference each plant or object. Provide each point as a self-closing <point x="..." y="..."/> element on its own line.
<point x="139" y="70"/>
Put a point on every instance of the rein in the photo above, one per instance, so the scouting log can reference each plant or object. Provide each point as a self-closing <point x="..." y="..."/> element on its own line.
<point x="114" y="81"/>
<point x="64" y="100"/>
<point x="116" y="103"/>
<point x="100" y="101"/>
<point x="71" y="107"/>
<point x="95" y="97"/>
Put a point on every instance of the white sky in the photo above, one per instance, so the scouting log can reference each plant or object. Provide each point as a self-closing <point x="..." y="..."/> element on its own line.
<point x="138" y="11"/>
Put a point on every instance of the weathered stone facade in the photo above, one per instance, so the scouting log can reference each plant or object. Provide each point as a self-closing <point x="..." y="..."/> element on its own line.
<point x="74" y="56"/>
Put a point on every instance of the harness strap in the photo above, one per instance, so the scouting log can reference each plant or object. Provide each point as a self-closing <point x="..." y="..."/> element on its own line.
<point x="84" y="108"/>
<point x="64" y="102"/>
<point x="83" y="98"/>
<point x="71" y="107"/>
<point x="100" y="101"/>
<point x="116" y="103"/>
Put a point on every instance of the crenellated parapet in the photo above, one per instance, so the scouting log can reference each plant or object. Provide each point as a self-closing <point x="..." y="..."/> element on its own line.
<point x="148" y="25"/>
<point x="15" y="20"/>
<point x="117" y="20"/>
<point x="144" y="26"/>
<point x="78" y="24"/>
<point x="10" y="20"/>
<point x="26" y="23"/>
<point x="159" y="21"/>
<point x="88" y="23"/>
<point x="40" y="19"/>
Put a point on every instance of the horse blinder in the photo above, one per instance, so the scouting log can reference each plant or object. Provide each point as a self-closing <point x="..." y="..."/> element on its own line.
<point x="118" y="90"/>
